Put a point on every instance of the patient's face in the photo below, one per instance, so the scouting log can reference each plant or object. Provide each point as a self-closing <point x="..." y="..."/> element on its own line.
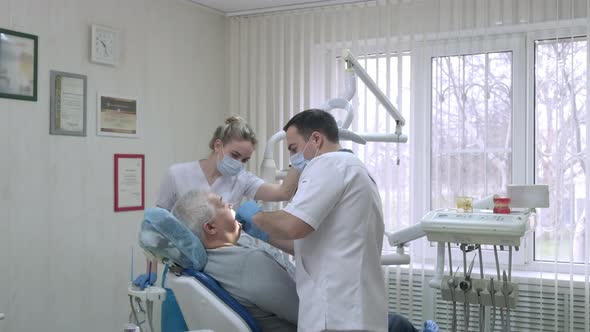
<point x="225" y="218"/>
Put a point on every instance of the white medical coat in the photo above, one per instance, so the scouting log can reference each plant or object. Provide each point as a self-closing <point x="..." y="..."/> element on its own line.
<point x="184" y="177"/>
<point x="338" y="270"/>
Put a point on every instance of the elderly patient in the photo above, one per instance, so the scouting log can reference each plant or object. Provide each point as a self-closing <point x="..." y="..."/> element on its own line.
<point x="250" y="275"/>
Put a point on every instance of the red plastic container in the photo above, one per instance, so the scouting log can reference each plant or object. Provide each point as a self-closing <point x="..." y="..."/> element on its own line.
<point x="502" y="205"/>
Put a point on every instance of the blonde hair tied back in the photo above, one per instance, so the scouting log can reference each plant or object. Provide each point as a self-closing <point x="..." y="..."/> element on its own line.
<point x="234" y="128"/>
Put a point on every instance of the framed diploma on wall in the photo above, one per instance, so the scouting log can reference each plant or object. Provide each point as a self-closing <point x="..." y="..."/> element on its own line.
<point x="67" y="104"/>
<point x="117" y="116"/>
<point x="18" y="65"/>
<point x="129" y="182"/>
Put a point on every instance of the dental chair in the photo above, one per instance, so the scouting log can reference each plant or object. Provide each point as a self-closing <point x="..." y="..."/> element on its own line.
<point x="204" y="305"/>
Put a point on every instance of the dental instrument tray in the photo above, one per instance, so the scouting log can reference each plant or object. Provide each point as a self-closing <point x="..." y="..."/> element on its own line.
<point x="478" y="227"/>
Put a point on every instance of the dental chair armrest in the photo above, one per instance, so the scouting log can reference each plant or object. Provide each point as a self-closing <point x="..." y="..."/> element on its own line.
<point x="151" y="293"/>
<point x="399" y="258"/>
<point x="395" y="259"/>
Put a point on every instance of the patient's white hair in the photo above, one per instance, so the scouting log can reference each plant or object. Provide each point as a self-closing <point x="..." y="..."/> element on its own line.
<point x="194" y="210"/>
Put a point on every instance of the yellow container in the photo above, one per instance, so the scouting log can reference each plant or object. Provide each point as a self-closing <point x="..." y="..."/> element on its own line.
<point x="464" y="203"/>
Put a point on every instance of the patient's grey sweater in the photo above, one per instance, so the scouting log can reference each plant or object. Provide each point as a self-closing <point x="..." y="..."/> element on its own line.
<point x="259" y="283"/>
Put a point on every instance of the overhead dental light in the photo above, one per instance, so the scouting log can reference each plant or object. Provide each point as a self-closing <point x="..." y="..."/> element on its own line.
<point x="352" y="70"/>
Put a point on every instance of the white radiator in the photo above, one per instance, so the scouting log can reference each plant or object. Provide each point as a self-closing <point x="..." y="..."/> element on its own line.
<point x="539" y="309"/>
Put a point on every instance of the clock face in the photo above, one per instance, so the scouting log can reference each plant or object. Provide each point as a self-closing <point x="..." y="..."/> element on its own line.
<point x="103" y="45"/>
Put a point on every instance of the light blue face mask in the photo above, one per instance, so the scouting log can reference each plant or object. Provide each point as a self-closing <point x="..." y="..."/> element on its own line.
<point x="298" y="160"/>
<point x="229" y="166"/>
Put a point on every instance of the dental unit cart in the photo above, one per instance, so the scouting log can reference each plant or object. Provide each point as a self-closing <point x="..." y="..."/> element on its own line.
<point x="471" y="231"/>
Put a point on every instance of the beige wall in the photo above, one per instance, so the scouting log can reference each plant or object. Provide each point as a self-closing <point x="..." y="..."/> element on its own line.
<point x="64" y="253"/>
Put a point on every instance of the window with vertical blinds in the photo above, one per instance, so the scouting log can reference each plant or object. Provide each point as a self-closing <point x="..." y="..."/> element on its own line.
<point x="471" y="132"/>
<point x="561" y="149"/>
<point x="487" y="102"/>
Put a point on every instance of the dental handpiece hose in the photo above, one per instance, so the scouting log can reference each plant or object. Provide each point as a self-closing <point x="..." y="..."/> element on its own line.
<point x="492" y="292"/>
<point x="506" y="290"/>
<point x="466" y="290"/>
<point x="450" y="260"/>
<point x="499" y="278"/>
<point x="452" y="283"/>
<point x="451" y="288"/>
<point x="482" y="308"/>
<point x="465" y="304"/>
<point x="509" y="279"/>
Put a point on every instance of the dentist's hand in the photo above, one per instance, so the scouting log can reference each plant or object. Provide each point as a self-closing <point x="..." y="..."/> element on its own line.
<point x="245" y="214"/>
<point x="145" y="280"/>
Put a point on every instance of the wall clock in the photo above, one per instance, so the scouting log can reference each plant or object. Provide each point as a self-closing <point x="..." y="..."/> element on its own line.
<point x="103" y="45"/>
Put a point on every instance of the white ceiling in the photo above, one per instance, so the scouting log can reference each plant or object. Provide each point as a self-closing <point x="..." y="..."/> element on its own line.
<point x="246" y="7"/>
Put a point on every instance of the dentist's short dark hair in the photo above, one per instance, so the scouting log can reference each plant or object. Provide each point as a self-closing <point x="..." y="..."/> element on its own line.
<point x="312" y="120"/>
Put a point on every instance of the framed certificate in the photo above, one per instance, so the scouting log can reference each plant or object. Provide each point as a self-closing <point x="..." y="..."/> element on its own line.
<point x="117" y="116"/>
<point x="67" y="104"/>
<point x="18" y="65"/>
<point x="129" y="182"/>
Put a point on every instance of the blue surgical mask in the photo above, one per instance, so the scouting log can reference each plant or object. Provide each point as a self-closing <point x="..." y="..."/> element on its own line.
<point x="229" y="166"/>
<point x="298" y="160"/>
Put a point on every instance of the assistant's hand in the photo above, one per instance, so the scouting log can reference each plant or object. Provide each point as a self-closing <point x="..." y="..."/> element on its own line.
<point x="145" y="280"/>
<point x="245" y="214"/>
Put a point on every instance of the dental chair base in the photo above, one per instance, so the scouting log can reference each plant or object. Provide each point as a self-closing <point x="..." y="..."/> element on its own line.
<point x="206" y="309"/>
<point x="146" y="307"/>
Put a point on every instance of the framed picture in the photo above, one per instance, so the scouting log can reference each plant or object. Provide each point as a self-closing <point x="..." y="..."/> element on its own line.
<point x="67" y="104"/>
<point x="129" y="182"/>
<point x="18" y="65"/>
<point x="117" y="116"/>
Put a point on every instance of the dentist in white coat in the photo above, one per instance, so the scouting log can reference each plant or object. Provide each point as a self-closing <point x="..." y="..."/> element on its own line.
<point x="336" y="221"/>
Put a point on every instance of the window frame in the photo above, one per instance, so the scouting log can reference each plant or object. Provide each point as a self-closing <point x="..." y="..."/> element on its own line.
<point x="515" y="43"/>
<point x="523" y="126"/>
<point x="574" y="30"/>
<point x="520" y="41"/>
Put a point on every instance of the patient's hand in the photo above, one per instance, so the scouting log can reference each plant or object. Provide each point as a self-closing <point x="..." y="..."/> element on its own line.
<point x="244" y="215"/>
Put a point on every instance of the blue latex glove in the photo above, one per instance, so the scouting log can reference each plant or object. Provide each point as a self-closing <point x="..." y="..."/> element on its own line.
<point x="244" y="215"/>
<point x="145" y="280"/>
<point x="430" y="326"/>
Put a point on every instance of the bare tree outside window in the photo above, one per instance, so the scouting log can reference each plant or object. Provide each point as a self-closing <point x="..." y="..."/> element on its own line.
<point x="560" y="147"/>
<point x="471" y="150"/>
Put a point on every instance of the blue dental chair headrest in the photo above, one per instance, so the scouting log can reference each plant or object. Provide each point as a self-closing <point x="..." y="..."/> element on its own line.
<point x="168" y="239"/>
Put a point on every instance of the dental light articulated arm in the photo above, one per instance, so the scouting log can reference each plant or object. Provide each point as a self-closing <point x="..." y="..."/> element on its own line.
<point x="352" y="63"/>
<point x="353" y="69"/>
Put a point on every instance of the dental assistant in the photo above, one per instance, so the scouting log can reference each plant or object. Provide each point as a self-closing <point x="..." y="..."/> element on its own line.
<point x="336" y="220"/>
<point x="223" y="172"/>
